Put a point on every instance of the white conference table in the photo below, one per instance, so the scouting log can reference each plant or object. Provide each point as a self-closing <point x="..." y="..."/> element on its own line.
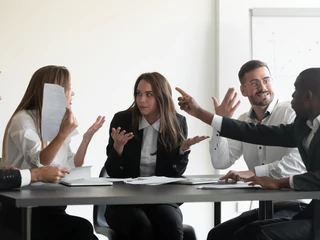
<point x="58" y="195"/>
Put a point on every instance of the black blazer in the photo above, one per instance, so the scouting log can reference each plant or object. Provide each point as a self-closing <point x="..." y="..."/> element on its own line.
<point x="169" y="163"/>
<point x="10" y="179"/>
<point x="290" y="135"/>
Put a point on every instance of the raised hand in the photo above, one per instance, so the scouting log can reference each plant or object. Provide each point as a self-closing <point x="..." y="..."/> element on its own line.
<point x="48" y="174"/>
<point x="187" y="103"/>
<point x="228" y="105"/>
<point x="120" y="139"/>
<point x="94" y="128"/>
<point x="187" y="143"/>
<point x="68" y="123"/>
<point x="238" y="175"/>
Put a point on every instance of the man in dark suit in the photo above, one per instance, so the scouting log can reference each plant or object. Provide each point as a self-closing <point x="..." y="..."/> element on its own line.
<point x="304" y="133"/>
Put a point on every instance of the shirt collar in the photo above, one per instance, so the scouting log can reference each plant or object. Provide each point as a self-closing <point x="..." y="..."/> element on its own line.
<point x="268" y="112"/>
<point x="143" y="123"/>
<point x="314" y="125"/>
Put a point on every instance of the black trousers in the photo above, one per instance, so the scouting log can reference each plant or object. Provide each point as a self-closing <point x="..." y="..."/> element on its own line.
<point x="227" y="230"/>
<point x="277" y="229"/>
<point x="50" y="223"/>
<point x="146" y="222"/>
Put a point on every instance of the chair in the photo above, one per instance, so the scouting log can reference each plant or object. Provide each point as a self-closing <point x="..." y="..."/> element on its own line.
<point x="102" y="227"/>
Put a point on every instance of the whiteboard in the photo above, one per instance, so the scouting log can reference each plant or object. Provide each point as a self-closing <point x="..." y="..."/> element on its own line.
<point x="288" y="43"/>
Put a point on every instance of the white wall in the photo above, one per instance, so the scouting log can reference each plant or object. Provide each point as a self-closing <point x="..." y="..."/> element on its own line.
<point x="106" y="45"/>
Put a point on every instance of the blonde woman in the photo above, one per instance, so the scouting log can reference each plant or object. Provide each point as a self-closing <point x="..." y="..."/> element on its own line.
<point x="23" y="147"/>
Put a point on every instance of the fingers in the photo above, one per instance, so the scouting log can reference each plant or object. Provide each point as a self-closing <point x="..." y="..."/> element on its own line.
<point x="64" y="171"/>
<point x="191" y="141"/>
<point x="215" y="102"/>
<point x="183" y="93"/>
<point x="119" y="135"/>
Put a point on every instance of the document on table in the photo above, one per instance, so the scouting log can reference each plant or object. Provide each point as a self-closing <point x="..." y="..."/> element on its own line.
<point x="53" y="109"/>
<point x="228" y="185"/>
<point x="153" y="180"/>
<point x="78" y="173"/>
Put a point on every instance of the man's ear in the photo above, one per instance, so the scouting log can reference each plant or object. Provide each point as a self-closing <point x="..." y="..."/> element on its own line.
<point x="243" y="91"/>
<point x="309" y="95"/>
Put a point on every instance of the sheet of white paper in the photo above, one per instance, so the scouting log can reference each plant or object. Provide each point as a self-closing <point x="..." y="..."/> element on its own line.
<point x="118" y="179"/>
<point x="220" y="185"/>
<point x="53" y="110"/>
<point x="78" y="173"/>
<point x="153" y="180"/>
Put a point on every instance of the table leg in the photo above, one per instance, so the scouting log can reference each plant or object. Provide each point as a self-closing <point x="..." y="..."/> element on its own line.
<point x="269" y="209"/>
<point x="26" y="223"/>
<point x="217" y="213"/>
<point x="262" y="210"/>
<point x="265" y="210"/>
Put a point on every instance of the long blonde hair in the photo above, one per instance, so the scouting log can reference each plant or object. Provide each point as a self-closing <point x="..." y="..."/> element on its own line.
<point x="33" y="97"/>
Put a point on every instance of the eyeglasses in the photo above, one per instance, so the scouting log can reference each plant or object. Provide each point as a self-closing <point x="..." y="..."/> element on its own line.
<point x="255" y="83"/>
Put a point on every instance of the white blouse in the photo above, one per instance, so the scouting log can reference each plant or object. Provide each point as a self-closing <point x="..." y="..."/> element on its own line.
<point x="23" y="144"/>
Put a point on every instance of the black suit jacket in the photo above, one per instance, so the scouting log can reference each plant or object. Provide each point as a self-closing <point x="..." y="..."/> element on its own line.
<point x="10" y="179"/>
<point x="291" y="135"/>
<point x="169" y="163"/>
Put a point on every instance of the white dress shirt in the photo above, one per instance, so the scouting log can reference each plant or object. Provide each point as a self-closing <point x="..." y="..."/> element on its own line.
<point x="276" y="162"/>
<point x="149" y="147"/>
<point x="23" y="144"/>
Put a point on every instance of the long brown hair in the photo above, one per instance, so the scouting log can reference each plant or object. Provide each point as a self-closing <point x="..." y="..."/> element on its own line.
<point x="33" y="97"/>
<point x="170" y="132"/>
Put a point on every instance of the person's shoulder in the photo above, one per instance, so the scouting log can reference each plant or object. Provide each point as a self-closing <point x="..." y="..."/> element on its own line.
<point x="22" y="116"/>
<point x="284" y="106"/>
<point x="180" y="117"/>
<point x="124" y="115"/>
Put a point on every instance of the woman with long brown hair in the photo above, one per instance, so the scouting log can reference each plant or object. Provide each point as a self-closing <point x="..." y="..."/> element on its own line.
<point x="149" y="138"/>
<point x="24" y="147"/>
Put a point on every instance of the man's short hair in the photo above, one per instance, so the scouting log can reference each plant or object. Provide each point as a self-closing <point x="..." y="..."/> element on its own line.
<point x="249" y="66"/>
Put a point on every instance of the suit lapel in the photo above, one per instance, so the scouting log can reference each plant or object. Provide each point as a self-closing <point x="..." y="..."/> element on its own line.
<point x="312" y="146"/>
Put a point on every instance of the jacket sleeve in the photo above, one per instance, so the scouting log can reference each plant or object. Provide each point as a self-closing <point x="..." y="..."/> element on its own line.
<point x="309" y="181"/>
<point x="114" y="163"/>
<point x="281" y="135"/>
<point x="10" y="179"/>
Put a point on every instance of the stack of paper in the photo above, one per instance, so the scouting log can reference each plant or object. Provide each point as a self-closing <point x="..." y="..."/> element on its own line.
<point x="153" y="180"/>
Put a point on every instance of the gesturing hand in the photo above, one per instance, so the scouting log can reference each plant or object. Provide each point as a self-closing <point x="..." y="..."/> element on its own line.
<point x="120" y="138"/>
<point x="187" y="143"/>
<point x="187" y="103"/>
<point x="94" y="128"/>
<point x="228" y="106"/>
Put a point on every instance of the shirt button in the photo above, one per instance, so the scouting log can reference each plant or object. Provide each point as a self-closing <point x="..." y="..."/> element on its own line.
<point x="174" y="166"/>
<point x="260" y="147"/>
<point x="121" y="168"/>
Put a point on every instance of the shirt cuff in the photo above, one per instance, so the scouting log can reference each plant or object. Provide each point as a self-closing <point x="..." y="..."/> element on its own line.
<point x="261" y="170"/>
<point x="291" y="182"/>
<point x="25" y="177"/>
<point x="217" y="122"/>
<point x="181" y="152"/>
